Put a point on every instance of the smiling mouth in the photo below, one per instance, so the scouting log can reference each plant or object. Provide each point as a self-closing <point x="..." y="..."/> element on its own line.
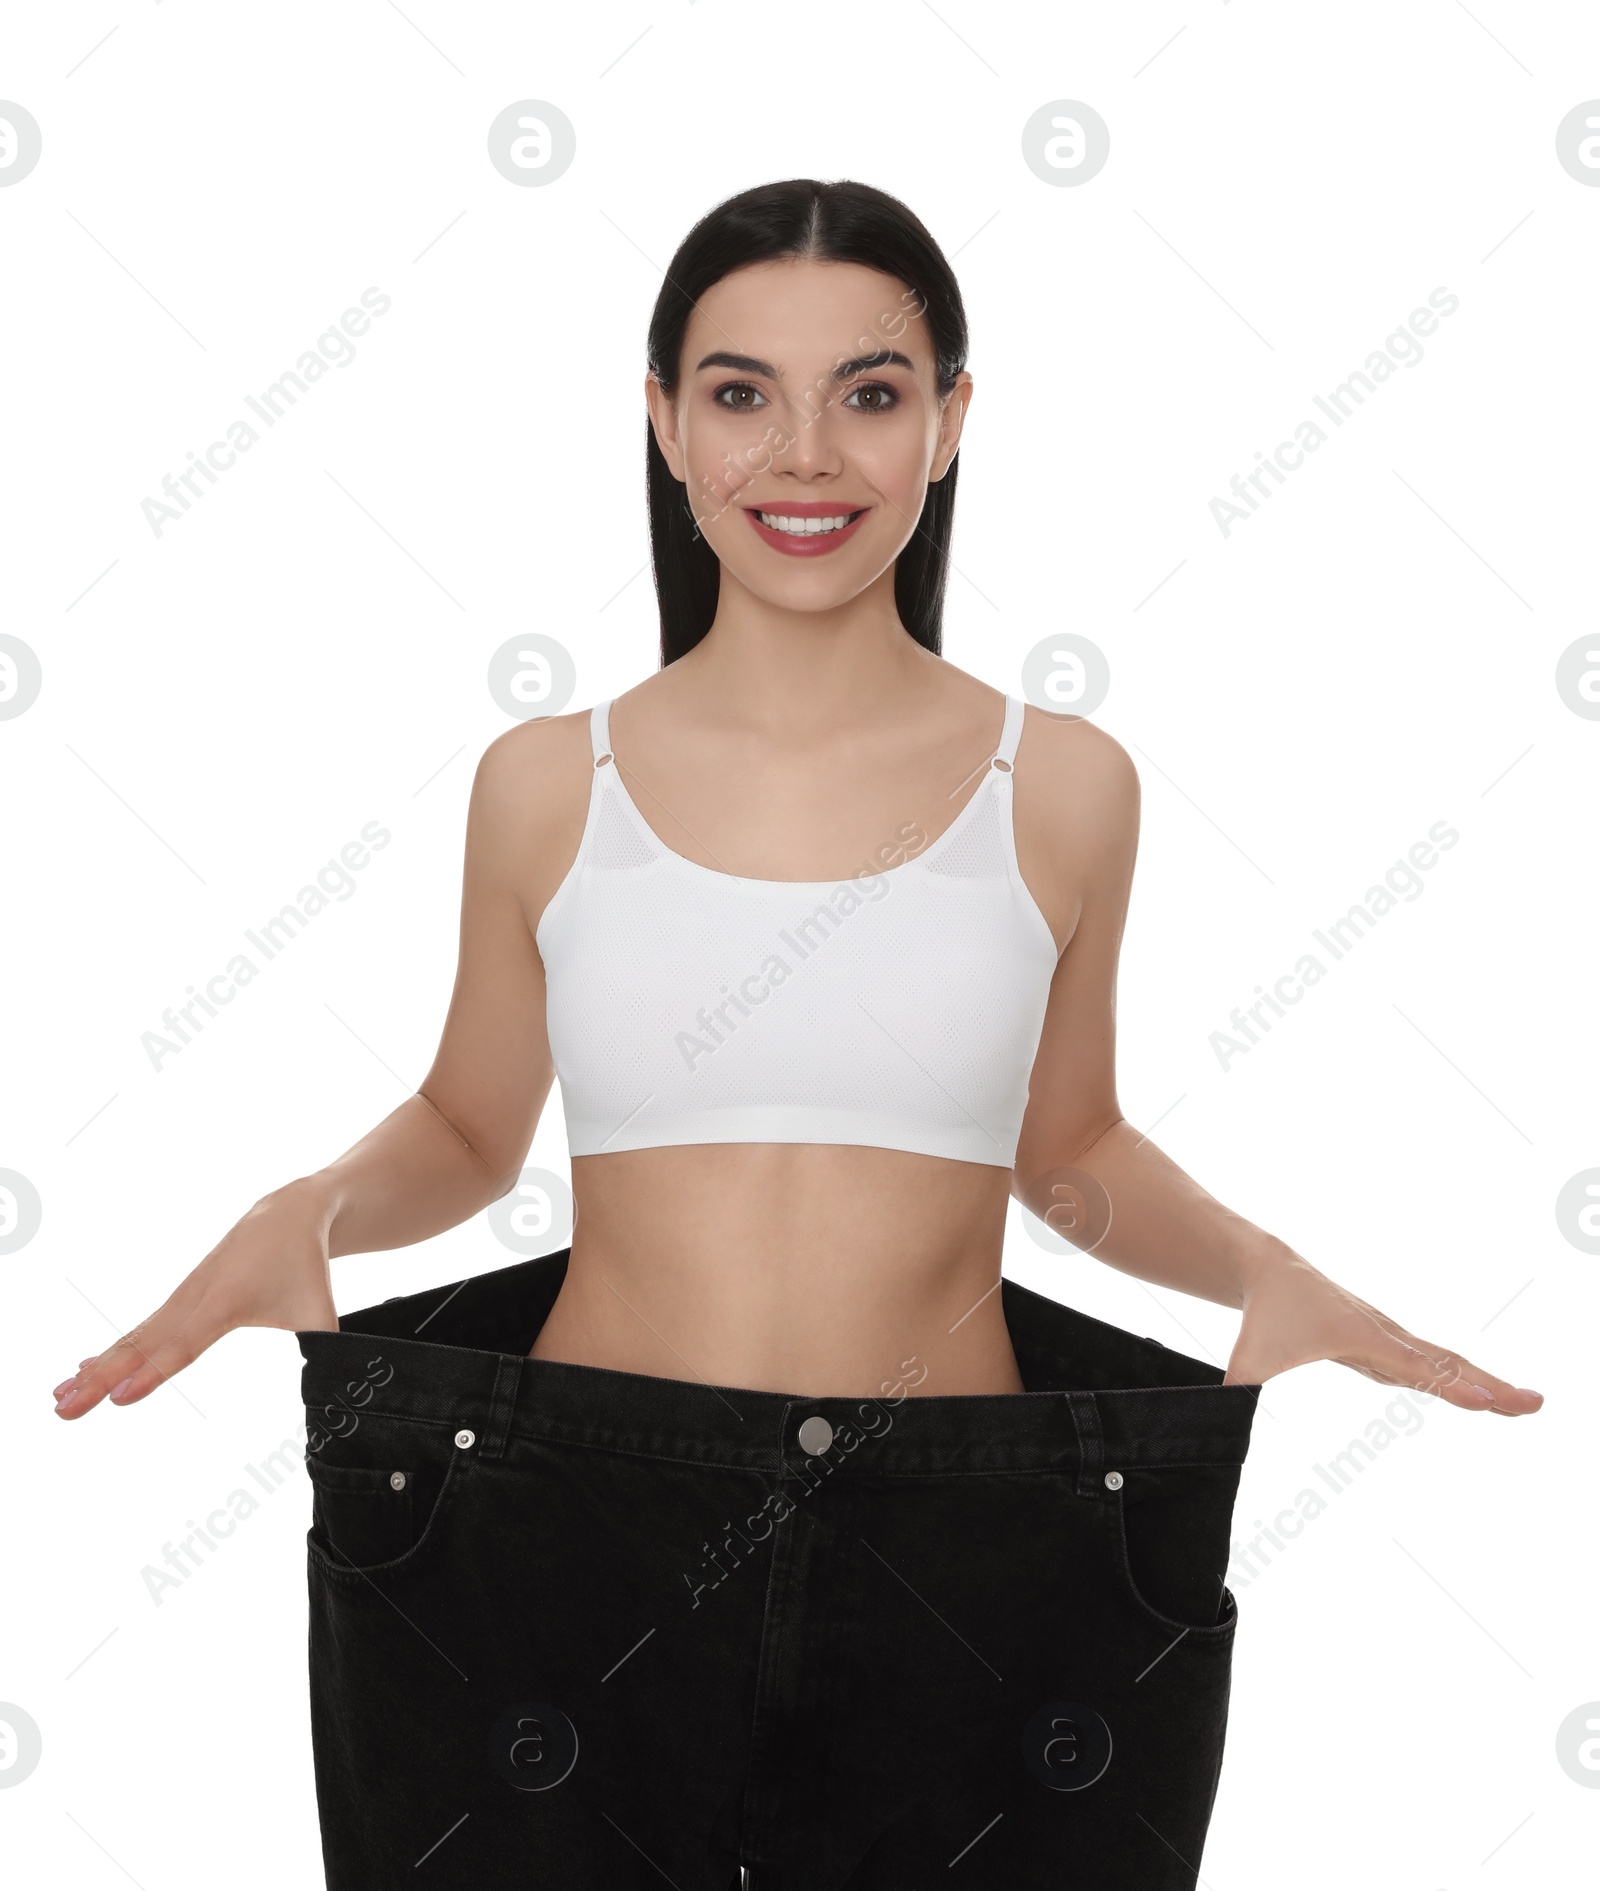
<point x="797" y="527"/>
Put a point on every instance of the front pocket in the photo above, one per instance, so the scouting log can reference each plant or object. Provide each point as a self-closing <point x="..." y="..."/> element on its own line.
<point x="360" y="1515"/>
<point x="377" y="1517"/>
<point x="1170" y="1538"/>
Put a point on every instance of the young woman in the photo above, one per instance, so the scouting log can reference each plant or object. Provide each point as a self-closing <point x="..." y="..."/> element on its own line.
<point x="766" y="1534"/>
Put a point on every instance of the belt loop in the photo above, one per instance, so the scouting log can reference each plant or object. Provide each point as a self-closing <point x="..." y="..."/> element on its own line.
<point x="502" y="1403"/>
<point x="1091" y="1442"/>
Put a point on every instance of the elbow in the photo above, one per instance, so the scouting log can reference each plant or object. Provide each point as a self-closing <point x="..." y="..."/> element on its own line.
<point x="1115" y="1120"/>
<point x="504" y="1184"/>
<point x="1062" y="1146"/>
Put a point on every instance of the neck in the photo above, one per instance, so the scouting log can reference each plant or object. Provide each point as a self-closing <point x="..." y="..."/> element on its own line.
<point x="793" y="671"/>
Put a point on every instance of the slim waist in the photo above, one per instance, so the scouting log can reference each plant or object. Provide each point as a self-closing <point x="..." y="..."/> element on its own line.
<point x="1095" y="1396"/>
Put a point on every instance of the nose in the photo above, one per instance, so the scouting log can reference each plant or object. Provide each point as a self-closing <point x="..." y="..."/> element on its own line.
<point x="810" y="448"/>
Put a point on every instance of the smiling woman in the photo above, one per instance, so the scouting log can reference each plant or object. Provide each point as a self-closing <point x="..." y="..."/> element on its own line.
<point x="862" y="326"/>
<point x="808" y="402"/>
<point x="985" y="1634"/>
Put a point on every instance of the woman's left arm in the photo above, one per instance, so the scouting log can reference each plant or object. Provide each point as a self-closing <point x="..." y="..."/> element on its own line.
<point x="1099" y="1182"/>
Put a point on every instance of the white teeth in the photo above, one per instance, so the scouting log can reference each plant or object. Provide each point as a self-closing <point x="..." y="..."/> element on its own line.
<point x="803" y="528"/>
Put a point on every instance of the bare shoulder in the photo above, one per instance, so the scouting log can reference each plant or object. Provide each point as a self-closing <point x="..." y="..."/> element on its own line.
<point x="530" y="795"/>
<point x="1077" y="786"/>
<point x="536" y="764"/>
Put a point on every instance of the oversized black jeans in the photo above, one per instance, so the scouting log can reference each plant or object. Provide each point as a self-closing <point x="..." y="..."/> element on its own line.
<point x="577" y="1628"/>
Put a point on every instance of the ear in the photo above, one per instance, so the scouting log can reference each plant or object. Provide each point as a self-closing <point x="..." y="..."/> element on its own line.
<point x="664" y="421"/>
<point x="952" y="417"/>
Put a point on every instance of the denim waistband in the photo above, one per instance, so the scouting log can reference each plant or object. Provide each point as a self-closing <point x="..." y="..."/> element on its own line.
<point x="1096" y="1398"/>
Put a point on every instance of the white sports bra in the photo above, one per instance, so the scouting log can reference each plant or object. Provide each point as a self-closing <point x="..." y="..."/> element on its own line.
<point x="900" y="1008"/>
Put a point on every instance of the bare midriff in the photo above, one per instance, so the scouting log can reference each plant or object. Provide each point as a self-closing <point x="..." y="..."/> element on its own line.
<point x="828" y="1270"/>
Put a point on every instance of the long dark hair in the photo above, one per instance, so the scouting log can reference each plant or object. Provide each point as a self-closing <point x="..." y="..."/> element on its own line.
<point x="843" y="222"/>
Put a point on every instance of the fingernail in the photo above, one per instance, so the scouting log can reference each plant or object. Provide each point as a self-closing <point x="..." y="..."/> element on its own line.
<point x="62" y="1387"/>
<point x="118" y="1390"/>
<point x="63" y="1403"/>
<point x="1484" y="1392"/>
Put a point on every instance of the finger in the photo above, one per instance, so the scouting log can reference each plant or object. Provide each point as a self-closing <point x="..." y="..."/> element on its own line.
<point x="1390" y="1354"/>
<point x="74" y="1379"/>
<point x="126" y="1373"/>
<point x="1484" y="1390"/>
<point x="1446" y="1375"/>
<point x="141" y="1360"/>
<point x="1510" y="1401"/>
<point x="105" y="1373"/>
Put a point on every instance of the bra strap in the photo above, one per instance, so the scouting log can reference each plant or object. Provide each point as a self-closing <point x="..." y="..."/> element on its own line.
<point x="1010" y="732"/>
<point x="600" y="729"/>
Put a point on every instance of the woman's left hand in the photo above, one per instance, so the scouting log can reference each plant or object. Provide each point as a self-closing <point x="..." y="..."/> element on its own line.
<point x="1294" y="1315"/>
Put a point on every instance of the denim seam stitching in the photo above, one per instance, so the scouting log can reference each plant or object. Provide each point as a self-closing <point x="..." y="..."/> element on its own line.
<point x="717" y="1464"/>
<point x="1210" y="1635"/>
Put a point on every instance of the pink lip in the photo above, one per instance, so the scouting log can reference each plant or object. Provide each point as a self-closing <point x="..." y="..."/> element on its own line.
<point x="814" y="544"/>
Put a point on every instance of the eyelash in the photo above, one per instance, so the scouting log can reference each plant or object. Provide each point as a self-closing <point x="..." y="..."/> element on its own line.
<point x="877" y="387"/>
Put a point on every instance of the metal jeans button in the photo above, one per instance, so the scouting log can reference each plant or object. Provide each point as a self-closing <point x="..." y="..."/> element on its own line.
<point x="465" y="1437"/>
<point x="1113" y="1480"/>
<point x="816" y="1434"/>
<point x="397" y="1480"/>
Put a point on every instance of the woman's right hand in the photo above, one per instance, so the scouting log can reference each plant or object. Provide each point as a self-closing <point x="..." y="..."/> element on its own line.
<point x="269" y="1269"/>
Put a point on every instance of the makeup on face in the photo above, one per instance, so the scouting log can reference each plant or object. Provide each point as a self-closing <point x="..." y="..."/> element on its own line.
<point x="810" y="444"/>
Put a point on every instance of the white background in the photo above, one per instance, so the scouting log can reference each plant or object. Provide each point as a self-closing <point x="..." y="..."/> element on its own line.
<point x="225" y="705"/>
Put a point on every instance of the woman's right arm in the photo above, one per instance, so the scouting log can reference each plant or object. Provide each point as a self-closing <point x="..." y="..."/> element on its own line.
<point x="450" y="1149"/>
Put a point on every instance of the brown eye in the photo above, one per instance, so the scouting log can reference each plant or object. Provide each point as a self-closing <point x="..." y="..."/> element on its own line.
<point x="875" y="398"/>
<point x="739" y="395"/>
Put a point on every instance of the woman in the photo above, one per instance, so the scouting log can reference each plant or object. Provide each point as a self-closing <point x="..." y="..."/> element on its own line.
<point x="766" y="1535"/>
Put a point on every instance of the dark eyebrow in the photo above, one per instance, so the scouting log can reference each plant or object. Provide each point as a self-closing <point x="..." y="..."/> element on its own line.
<point x="747" y="364"/>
